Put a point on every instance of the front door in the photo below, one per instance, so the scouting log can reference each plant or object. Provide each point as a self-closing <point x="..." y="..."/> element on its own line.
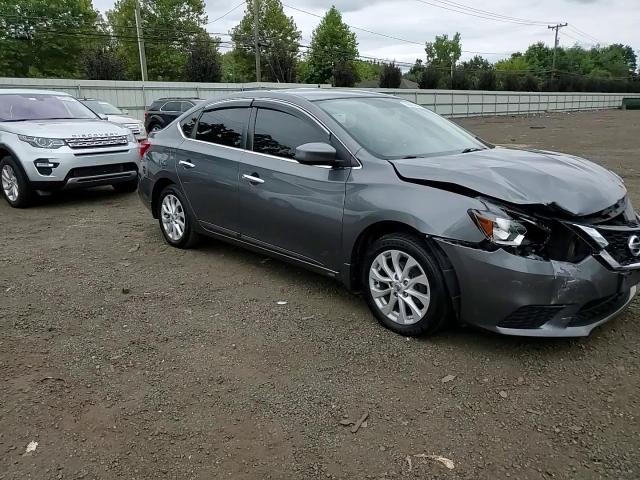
<point x="208" y="164"/>
<point x="294" y="208"/>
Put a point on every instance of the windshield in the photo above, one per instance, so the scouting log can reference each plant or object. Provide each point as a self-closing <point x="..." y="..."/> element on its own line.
<point x="391" y="128"/>
<point x="37" y="106"/>
<point x="104" y="108"/>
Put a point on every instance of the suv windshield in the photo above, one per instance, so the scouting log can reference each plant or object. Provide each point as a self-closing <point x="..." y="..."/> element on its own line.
<point x="393" y="128"/>
<point x="15" y="107"/>
<point x="105" y="108"/>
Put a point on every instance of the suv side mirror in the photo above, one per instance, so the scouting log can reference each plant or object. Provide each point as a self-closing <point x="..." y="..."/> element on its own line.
<point x="318" y="153"/>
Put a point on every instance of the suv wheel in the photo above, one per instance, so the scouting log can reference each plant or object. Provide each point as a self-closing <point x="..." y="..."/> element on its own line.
<point x="404" y="286"/>
<point x="175" y="220"/>
<point x="15" y="186"/>
<point x="155" y="128"/>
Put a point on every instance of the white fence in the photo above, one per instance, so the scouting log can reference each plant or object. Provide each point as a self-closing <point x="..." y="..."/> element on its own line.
<point x="136" y="96"/>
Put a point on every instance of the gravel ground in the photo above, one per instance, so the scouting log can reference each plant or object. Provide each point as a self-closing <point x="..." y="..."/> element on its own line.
<point x="124" y="358"/>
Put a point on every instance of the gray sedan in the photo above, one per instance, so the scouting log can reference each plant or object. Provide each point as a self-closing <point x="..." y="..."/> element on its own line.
<point x="433" y="225"/>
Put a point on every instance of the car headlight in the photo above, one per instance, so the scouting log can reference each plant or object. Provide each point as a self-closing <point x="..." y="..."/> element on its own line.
<point x="500" y="228"/>
<point x="131" y="138"/>
<point x="42" y="142"/>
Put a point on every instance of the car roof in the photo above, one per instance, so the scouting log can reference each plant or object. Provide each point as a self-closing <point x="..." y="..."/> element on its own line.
<point x="26" y="91"/>
<point x="178" y="98"/>
<point x="302" y="94"/>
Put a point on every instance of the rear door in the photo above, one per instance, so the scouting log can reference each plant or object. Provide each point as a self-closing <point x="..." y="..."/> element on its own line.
<point x="293" y="208"/>
<point x="208" y="163"/>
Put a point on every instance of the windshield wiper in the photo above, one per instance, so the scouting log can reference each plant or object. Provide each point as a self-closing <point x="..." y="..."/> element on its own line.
<point x="472" y="149"/>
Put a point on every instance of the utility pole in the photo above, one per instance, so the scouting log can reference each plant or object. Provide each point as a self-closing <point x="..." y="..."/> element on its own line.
<point x="143" y="57"/>
<point x="256" y="42"/>
<point x="556" y="27"/>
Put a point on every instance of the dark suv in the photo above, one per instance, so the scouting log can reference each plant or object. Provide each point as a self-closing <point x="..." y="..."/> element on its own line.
<point x="164" y="110"/>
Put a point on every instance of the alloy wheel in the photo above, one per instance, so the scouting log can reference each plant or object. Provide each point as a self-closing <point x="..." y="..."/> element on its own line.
<point x="9" y="183"/>
<point x="399" y="287"/>
<point x="173" y="217"/>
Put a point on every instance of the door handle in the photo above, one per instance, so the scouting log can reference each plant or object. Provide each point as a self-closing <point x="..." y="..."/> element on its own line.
<point x="186" y="164"/>
<point x="252" y="178"/>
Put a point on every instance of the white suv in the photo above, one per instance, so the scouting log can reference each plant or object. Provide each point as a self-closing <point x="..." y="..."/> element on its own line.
<point x="51" y="141"/>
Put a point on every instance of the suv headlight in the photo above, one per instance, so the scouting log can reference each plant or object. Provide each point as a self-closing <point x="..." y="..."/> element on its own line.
<point x="42" y="142"/>
<point x="500" y="228"/>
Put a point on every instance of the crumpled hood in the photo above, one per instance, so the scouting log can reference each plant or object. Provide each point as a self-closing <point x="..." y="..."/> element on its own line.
<point x="63" y="128"/>
<point x="522" y="177"/>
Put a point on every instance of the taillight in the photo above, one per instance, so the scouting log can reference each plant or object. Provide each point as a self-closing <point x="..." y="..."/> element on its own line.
<point x="144" y="146"/>
<point x="146" y="115"/>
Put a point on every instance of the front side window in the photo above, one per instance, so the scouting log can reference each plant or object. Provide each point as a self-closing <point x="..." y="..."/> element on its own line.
<point x="105" y="108"/>
<point x="278" y="133"/>
<point x="223" y="126"/>
<point x="33" y="106"/>
<point x="392" y="128"/>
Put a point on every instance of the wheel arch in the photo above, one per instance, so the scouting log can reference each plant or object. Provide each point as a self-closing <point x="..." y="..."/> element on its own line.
<point x="5" y="151"/>
<point x="158" y="187"/>
<point x="377" y="230"/>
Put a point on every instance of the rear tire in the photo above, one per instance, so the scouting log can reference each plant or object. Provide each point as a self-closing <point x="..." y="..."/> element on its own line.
<point x="16" y="188"/>
<point x="176" y="222"/>
<point x="404" y="286"/>
<point x="126" y="187"/>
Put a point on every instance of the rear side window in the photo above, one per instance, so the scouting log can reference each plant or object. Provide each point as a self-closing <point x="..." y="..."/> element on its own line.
<point x="223" y="126"/>
<point x="171" y="107"/>
<point x="156" y="105"/>
<point x="184" y="106"/>
<point x="278" y="133"/>
<point x="187" y="124"/>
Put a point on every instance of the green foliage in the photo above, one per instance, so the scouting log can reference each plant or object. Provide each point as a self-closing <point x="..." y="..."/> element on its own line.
<point x="344" y="75"/>
<point x="391" y="76"/>
<point x="430" y="78"/>
<point x="443" y="52"/>
<point x="168" y="28"/>
<point x="333" y="49"/>
<point x="278" y="38"/>
<point x="43" y="38"/>
<point x="415" y="72"/>
<point x="367" y="70"/>
<point x="204" y="63"/>
<point x="103" y="63"/>
<point x="487" y="80"/>
<point x="460" y="79"/>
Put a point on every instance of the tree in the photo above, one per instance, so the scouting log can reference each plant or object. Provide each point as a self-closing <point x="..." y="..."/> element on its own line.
<point x="367" y="70"/>
<point x="430" y="77"/>
<point x="391" y="76"/>
<point x="204" y="63"/>
<point x="472" y="70"/>
<point x="487" y="80"/>
<point x="444" y="53"/>
<point x="168" y="28"/>
<point x="333" y="46"/>
<point x="344" y="75"/>
<point x="103" y="63"/>
<point x="415" y="72"/>
<point x="46" y="38"/>
<point x="460" y="80"/>
<point x="278" y="39"/>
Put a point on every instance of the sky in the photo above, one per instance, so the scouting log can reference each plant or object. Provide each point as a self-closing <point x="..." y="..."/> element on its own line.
<point x="418" y="21"/>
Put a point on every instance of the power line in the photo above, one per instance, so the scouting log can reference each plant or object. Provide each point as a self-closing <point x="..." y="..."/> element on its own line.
<point x="224" y="15"/>
<point x="483" y="16"/>
<point x="492" y="14"/>
<point x="585" y="34"/>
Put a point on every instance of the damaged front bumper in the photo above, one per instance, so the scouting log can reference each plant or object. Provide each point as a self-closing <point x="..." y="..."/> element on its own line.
<point x="516" y="295"/>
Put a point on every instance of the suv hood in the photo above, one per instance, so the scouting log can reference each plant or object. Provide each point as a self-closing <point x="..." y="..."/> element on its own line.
<point x="63" y="128"/>
<point x="123" y="119"/>
<point x="520" y="177"/>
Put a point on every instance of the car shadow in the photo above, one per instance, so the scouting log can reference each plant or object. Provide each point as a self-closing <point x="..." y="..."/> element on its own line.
<point x="72" y="197"/>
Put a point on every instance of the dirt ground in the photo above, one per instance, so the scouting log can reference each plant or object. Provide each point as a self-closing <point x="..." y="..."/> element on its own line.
<point x="124" y="358"/>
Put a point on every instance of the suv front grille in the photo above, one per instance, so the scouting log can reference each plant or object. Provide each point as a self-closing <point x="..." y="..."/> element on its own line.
<point x="97" y="141"/>
<point x="530" y="316"/>
<point x="102" y="170"/>
<point x="618" y="246"/>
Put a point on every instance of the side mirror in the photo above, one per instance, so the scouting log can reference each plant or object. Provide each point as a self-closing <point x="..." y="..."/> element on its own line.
<point x="125" y="111"/>
<point x="316" y="154"/>
<point x="103" y="116"/>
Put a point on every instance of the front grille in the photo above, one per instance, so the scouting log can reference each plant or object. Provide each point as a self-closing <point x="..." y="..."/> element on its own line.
<point x="530" y="316"/>
<point x="97" y="141"/>
<point x="598" y="309"/>
<point x="134" y="127"/>
<point x="102" y="170"/>
<point x="618" y="246"/>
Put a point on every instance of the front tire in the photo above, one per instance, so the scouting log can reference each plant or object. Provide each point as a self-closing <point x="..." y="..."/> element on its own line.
<point x="16" y="188"/>
<point x="404" y="286"/>
<point x="176" y="223"/>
